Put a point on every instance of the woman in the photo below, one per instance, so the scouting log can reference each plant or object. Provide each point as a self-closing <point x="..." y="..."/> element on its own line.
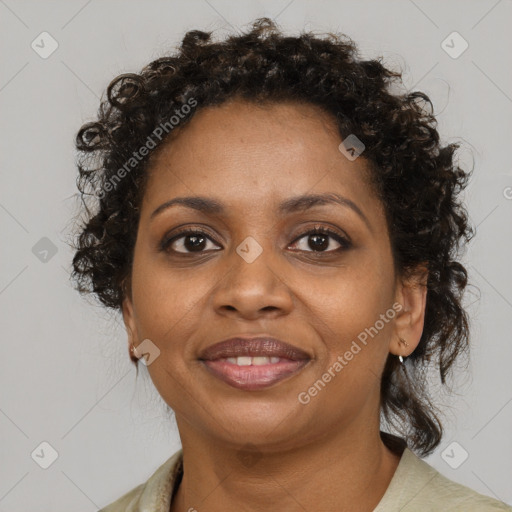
<point x="279" y="232"/>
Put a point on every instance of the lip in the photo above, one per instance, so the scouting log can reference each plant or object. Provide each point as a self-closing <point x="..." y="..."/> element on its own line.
<point x="255" y="376"/>
<point x="264" y="346"/>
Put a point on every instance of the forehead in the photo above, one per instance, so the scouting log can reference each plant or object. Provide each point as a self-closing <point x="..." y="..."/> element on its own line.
<point x="244" y="152"/>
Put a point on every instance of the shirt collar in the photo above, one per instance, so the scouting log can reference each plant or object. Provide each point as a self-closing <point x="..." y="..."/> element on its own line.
<point x="411" y="475"/>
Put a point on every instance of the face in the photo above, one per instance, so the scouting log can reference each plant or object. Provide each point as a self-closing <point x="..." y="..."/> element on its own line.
<point x="254" y="268"/>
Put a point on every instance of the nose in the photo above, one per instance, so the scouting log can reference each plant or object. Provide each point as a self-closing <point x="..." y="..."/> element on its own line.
<point x="255" y="283"/>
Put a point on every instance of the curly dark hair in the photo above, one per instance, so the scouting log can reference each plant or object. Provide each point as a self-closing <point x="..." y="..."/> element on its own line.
<point x="415" y="177"/>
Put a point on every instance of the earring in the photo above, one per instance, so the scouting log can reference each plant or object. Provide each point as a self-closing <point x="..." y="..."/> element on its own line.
<point x="400" y="358"/>
<point x="131" y="351"/>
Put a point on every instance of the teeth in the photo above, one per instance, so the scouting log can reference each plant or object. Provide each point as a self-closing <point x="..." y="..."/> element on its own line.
<point x="252" y="361"/>
<point x="260" y="360"/>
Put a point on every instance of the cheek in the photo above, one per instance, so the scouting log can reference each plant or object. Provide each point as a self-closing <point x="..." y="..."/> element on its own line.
<point x="167" y="301"/>
<point x="355" y="340"/>
<point x="349" y="305"/>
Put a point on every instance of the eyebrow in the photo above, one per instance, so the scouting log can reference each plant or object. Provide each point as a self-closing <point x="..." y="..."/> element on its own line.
<point x="295" y="204"/>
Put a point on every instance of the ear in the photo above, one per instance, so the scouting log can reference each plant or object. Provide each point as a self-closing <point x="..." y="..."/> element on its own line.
<point x="411" y="293"/>
<point x="129" y="320"/>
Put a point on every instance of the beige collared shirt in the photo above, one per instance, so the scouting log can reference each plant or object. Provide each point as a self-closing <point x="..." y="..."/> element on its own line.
<point x="415" y="487"/>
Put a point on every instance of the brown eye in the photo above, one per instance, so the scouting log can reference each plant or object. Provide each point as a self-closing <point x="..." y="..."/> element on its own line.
<point x="189" y="242"/>
<point x="196" y="241"/>
<point x="319" y="240"/>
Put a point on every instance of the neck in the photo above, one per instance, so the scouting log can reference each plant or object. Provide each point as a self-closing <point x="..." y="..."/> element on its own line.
<point x="348" y="472"/>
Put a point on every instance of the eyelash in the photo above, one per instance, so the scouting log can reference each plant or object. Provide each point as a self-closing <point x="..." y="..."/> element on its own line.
<point x="317" y="230"/>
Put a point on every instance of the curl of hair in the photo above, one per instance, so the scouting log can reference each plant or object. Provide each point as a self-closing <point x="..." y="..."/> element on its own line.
<point x="415" y="177"/>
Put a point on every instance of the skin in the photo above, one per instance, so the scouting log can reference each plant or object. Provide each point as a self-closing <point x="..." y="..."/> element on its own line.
<point x="324" y="455"/>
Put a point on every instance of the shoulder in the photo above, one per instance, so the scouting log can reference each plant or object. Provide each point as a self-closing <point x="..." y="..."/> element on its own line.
<point x="458" y="497"/>
<point x="154" y="494"/>
<point x="419" y="487"/>
<point x="127" y="502"/>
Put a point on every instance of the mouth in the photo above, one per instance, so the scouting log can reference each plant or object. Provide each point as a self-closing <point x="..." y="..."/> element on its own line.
<point x="253" y="363"/>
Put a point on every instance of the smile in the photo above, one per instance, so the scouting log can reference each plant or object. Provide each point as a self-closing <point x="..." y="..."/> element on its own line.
<point x="253" y="363"/>
<point x="251" y="373"/>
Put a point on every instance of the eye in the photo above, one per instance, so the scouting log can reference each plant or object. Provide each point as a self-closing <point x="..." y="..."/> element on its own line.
<point x="196" y="240"/>
<point x="190" y="240"/>
<point x="319" y="240"/>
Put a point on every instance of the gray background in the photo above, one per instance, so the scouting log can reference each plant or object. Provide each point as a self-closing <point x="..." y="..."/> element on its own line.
<point x="65" y="375"/>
